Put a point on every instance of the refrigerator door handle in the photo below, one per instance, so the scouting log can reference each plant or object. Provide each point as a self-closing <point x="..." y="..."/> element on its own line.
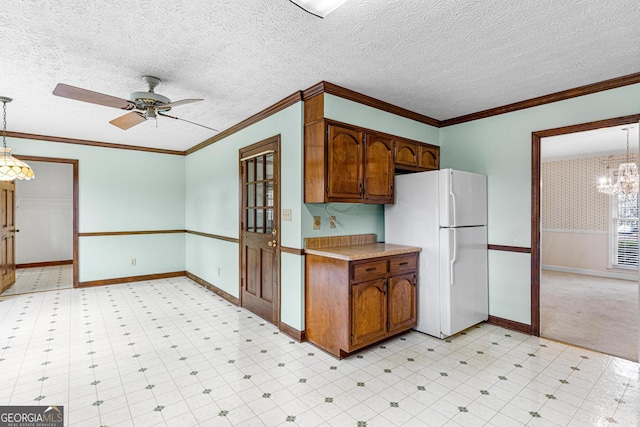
<point x="453" y="201"/>
<point x="453" y="257"/>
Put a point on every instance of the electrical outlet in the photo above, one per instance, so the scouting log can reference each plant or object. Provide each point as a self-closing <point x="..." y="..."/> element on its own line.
<point x="133" y="262"/>
<point x="332" y="221"/>
<point x="286" y="214"/>
<point x="316" y="223"/>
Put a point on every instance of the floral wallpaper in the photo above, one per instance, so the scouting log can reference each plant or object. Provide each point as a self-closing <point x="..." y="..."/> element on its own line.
<point x="569" y="197"/>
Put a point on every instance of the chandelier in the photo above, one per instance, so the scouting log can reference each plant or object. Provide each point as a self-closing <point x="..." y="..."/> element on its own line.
<point x="10" y="167"/>
<point x="627" y="182"/>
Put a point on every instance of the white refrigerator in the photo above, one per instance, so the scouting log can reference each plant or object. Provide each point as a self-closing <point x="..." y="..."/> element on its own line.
<point x="444" y="212"/>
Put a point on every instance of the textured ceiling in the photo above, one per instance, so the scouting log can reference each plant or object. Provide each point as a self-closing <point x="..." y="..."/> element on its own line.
<point x="440" y="58"/>
<point x="598" y="142"/>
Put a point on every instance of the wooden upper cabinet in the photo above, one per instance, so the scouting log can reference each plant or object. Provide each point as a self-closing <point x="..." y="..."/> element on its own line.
<point x="429" y="158"/>
<point x="407" y="153"/>
<point x="414" y="156"/>
<point x="349" y="164"/>
<point x="344" y="163"/>
<point x="378" y="169"/>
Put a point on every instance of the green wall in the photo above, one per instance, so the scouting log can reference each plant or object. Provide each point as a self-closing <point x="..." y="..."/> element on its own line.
<point x="212" y="198"/>
<point x="123" y="190"/>
<point x="500" y="147"/>
<point x="212" y="201"/>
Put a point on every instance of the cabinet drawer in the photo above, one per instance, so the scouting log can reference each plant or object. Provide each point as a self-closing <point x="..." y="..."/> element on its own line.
<point x="368" y="269"/>
<point x="403" y="263"/>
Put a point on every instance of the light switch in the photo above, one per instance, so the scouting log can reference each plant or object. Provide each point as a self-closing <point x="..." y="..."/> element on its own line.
<point x="286" y="214"/>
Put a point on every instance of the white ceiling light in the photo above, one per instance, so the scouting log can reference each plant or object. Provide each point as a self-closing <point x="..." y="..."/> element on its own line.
<point x="319" y="8"/>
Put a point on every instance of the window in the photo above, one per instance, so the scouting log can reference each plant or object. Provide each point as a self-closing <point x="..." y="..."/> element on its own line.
<point x="624" y="231"/>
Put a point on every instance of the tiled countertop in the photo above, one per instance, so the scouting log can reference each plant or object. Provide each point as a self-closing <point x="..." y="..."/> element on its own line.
<point x="364" y="251"/>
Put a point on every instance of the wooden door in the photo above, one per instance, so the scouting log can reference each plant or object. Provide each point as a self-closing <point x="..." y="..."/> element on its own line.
<point x="7" y="235"/>
<point x="429" y="158"/>
<point x="368" y="312"/>
<point x="402" y="302"/>
<point x="378" y="169"/>
<point x="406" y="154"/>
<point x="344" y="163"/>
<point x="259" y="227"/>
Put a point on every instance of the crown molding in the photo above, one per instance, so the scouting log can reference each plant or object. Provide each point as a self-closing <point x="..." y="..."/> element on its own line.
<point x="278" y="106"/>
<point x="50" y="138"/>
<point x="333" y="89"/>
<point x="339" y="91"/>
<point x="546" y="99"/>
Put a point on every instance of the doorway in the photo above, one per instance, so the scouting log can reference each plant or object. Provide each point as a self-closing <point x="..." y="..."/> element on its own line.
<point x="259" y="228"/>
<point x="47" y="217"/>
<point x="572" y="284"/>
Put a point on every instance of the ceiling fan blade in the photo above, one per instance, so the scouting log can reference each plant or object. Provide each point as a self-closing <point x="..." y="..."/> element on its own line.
<point x="129" y="120"/>
<point x="160" y="113"/>
<point x="177" y="103"/>
<point x="85" y="95"/>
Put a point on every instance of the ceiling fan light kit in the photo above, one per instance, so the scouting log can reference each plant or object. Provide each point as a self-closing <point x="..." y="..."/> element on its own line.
<point x="10" y="167"/>
<point x="146" y="105"/>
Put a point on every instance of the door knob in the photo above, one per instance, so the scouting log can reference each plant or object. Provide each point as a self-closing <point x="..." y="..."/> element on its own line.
<point x="272" y="243"/>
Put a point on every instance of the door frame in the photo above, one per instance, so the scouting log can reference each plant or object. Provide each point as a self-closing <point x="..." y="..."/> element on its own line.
<point x="74" y="163"/>
<point x="536" y="164"/>
<point x="276" y="218"/>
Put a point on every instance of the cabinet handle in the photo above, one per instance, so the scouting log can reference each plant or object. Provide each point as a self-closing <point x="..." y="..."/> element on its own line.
<point x="415" y="280"/>
<point x="371" y="269"/>
<point x="404" y="263"/>
<point x="361" y="190"/>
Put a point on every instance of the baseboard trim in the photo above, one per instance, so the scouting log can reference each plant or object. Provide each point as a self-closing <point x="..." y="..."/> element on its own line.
<point x="45" y="264"/>
<point x="297" y="335"/>
<point x="510" y="324"/>
<point x="130" y="279"/>
<point x="608" y="274"/>
<point x="216" y="290"/>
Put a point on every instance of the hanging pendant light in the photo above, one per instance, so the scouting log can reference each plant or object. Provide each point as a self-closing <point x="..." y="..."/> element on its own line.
<point x="10" y="167"/>
<point x="627" y="182"/>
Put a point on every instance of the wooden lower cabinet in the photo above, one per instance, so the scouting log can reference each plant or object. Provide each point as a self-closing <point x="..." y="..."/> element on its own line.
<point x="368" y="312"/>
<point x="353" y="304"/>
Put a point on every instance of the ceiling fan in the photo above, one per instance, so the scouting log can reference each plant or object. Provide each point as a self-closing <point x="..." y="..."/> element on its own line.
<point x="146" y="105"/>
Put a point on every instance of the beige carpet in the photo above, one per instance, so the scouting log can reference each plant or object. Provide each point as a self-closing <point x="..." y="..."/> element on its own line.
<point x="592" y="312"/>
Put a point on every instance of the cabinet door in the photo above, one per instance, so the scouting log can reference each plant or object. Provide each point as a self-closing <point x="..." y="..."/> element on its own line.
<point x="429" y="158"/>
<point x="344" y="163"/>
<point x="368" y="312"/>
<point x="406" y="154"/>
<point x="402" y="302"/>
<point x="378" y="169"/>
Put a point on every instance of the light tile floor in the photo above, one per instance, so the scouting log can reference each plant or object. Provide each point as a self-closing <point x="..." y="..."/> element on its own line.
<point x="169" y="352"/>
<point x="37" y="279"/>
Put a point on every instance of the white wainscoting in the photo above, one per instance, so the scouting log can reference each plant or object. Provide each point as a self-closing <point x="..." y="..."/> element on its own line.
<point x="581" y="252"/>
